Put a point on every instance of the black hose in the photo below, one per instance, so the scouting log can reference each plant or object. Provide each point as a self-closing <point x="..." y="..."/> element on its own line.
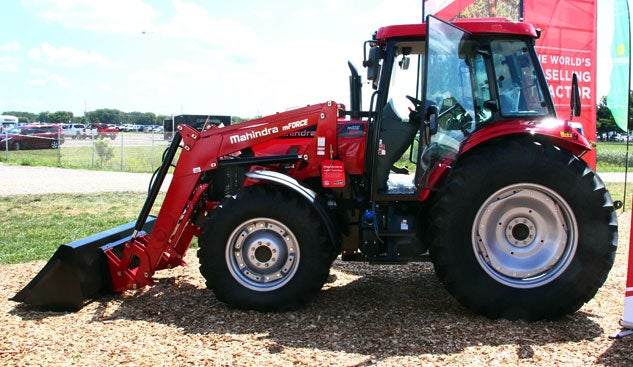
<point x="157" y="179"/>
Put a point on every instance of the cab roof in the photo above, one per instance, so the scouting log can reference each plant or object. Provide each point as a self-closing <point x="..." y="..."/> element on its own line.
<point x="474" y="26"/>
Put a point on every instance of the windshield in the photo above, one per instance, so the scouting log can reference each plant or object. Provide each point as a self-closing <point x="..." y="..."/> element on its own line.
<point x="520" y="93"/>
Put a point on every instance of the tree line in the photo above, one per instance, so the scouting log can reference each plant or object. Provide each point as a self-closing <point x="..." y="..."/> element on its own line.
<point x="104" y="115"/>
<point x="604" y="119"/>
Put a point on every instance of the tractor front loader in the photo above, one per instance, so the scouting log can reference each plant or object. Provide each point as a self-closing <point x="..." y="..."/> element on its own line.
<point x="127" y="256"/>
<point x="460" y="160"/>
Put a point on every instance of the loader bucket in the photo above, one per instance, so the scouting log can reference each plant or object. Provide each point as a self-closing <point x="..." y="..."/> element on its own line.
<point x="77" y="272"/>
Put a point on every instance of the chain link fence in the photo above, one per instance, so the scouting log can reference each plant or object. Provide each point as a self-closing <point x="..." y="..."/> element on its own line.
<point x="127" y="151"/>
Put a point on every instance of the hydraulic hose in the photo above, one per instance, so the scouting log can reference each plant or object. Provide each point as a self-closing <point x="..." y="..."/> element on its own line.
<point x="158" y="182"/>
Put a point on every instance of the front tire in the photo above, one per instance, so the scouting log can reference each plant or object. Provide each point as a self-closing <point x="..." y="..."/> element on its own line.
<point x="537" y="231"/>
<point x="264" y="249"/>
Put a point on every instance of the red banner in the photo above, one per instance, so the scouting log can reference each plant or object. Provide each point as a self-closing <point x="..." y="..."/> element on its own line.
<point x="568" y="45"/>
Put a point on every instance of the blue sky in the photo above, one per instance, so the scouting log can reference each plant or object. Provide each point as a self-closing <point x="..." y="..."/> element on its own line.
<point x="238" y="57"/>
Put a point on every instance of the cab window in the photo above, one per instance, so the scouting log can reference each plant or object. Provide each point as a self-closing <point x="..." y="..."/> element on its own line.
<point x="520" y="93"/>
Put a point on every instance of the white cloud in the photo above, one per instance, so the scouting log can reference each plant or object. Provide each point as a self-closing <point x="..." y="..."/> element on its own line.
<point x="36" y="82"/>
<point x="35" y="54"/>
<point x="10" y="47"/>
<point x="193" y="22"/>
<point x="9" y="64"/>
<point x="42" y="77"/>
<point x="70" y="57"/>
<point x="327" y="6"/>
<point x="38" y="71"/>
<point x="59" y="80"/>
<point x="154" y="80"/>
<point x="118" y="16"/>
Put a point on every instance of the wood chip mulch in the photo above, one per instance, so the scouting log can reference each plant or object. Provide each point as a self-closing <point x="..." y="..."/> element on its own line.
<point x="366" y="315"/>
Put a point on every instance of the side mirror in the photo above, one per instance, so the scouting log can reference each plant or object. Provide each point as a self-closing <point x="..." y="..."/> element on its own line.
<point x="431" y="117"/>
<point x="404" y="63"/>
<point x="575" y="97"/>
<point x="372" y="63"/>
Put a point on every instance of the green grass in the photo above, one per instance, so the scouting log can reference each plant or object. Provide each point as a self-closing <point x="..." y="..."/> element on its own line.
<point x="616" y="189"/>
<point x="612" y="157"/>
<point x="35" y="225"/>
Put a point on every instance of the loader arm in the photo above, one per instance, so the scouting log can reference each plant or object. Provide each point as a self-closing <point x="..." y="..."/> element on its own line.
<point x="204" y="151"/>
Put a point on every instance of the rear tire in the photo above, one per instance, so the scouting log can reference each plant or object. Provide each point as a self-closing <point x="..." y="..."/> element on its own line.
<point x="54" y="144"/>
<point x="524" y="230"/>
<point x="264" y="249"/>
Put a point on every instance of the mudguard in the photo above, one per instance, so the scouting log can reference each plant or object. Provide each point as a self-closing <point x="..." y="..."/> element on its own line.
<point x="308" y="194"/>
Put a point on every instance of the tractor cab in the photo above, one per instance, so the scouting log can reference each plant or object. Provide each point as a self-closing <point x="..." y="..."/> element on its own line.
<point x="438" y="84"/>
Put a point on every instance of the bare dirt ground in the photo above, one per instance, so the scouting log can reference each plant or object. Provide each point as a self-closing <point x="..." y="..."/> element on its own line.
<point x="366" y="315"/>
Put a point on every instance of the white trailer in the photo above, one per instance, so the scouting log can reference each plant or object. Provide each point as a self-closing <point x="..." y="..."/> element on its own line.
<point x="7" y="122"/>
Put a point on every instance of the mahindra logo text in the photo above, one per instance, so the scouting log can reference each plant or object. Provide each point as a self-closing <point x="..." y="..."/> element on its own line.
<point x="254" y="134"/>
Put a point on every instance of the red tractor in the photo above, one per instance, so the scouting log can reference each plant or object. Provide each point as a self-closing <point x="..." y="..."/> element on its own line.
<point x="460" y="159"/>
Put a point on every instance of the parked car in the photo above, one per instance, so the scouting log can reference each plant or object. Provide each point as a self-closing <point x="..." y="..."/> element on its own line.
<point x="151" y="128"/>
<point x="74" y="131"/>
<point x="101" y="131"/>
<point x="127" y="127"/>
<point x="32" y="137"/>
<point x="130" y="128"/>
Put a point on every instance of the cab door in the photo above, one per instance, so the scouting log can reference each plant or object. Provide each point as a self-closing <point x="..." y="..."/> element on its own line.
<point x="450" y="73"/>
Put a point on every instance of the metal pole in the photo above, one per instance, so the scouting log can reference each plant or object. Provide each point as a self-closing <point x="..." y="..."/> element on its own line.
<point x="121" y="135"/>
<point x="59" y="148"/>
<point x="628" y="100"/>
<point x="152" y="153"/>
<point x="92" y="140"/>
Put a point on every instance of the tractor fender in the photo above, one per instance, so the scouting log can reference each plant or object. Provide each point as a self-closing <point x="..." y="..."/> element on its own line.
<point x="558" y="132"/>
<point x="305" y="192"/>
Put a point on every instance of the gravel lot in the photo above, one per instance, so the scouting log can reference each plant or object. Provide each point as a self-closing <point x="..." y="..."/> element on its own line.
<point x="17" y="180"/>
<point x="366" y="315"/>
